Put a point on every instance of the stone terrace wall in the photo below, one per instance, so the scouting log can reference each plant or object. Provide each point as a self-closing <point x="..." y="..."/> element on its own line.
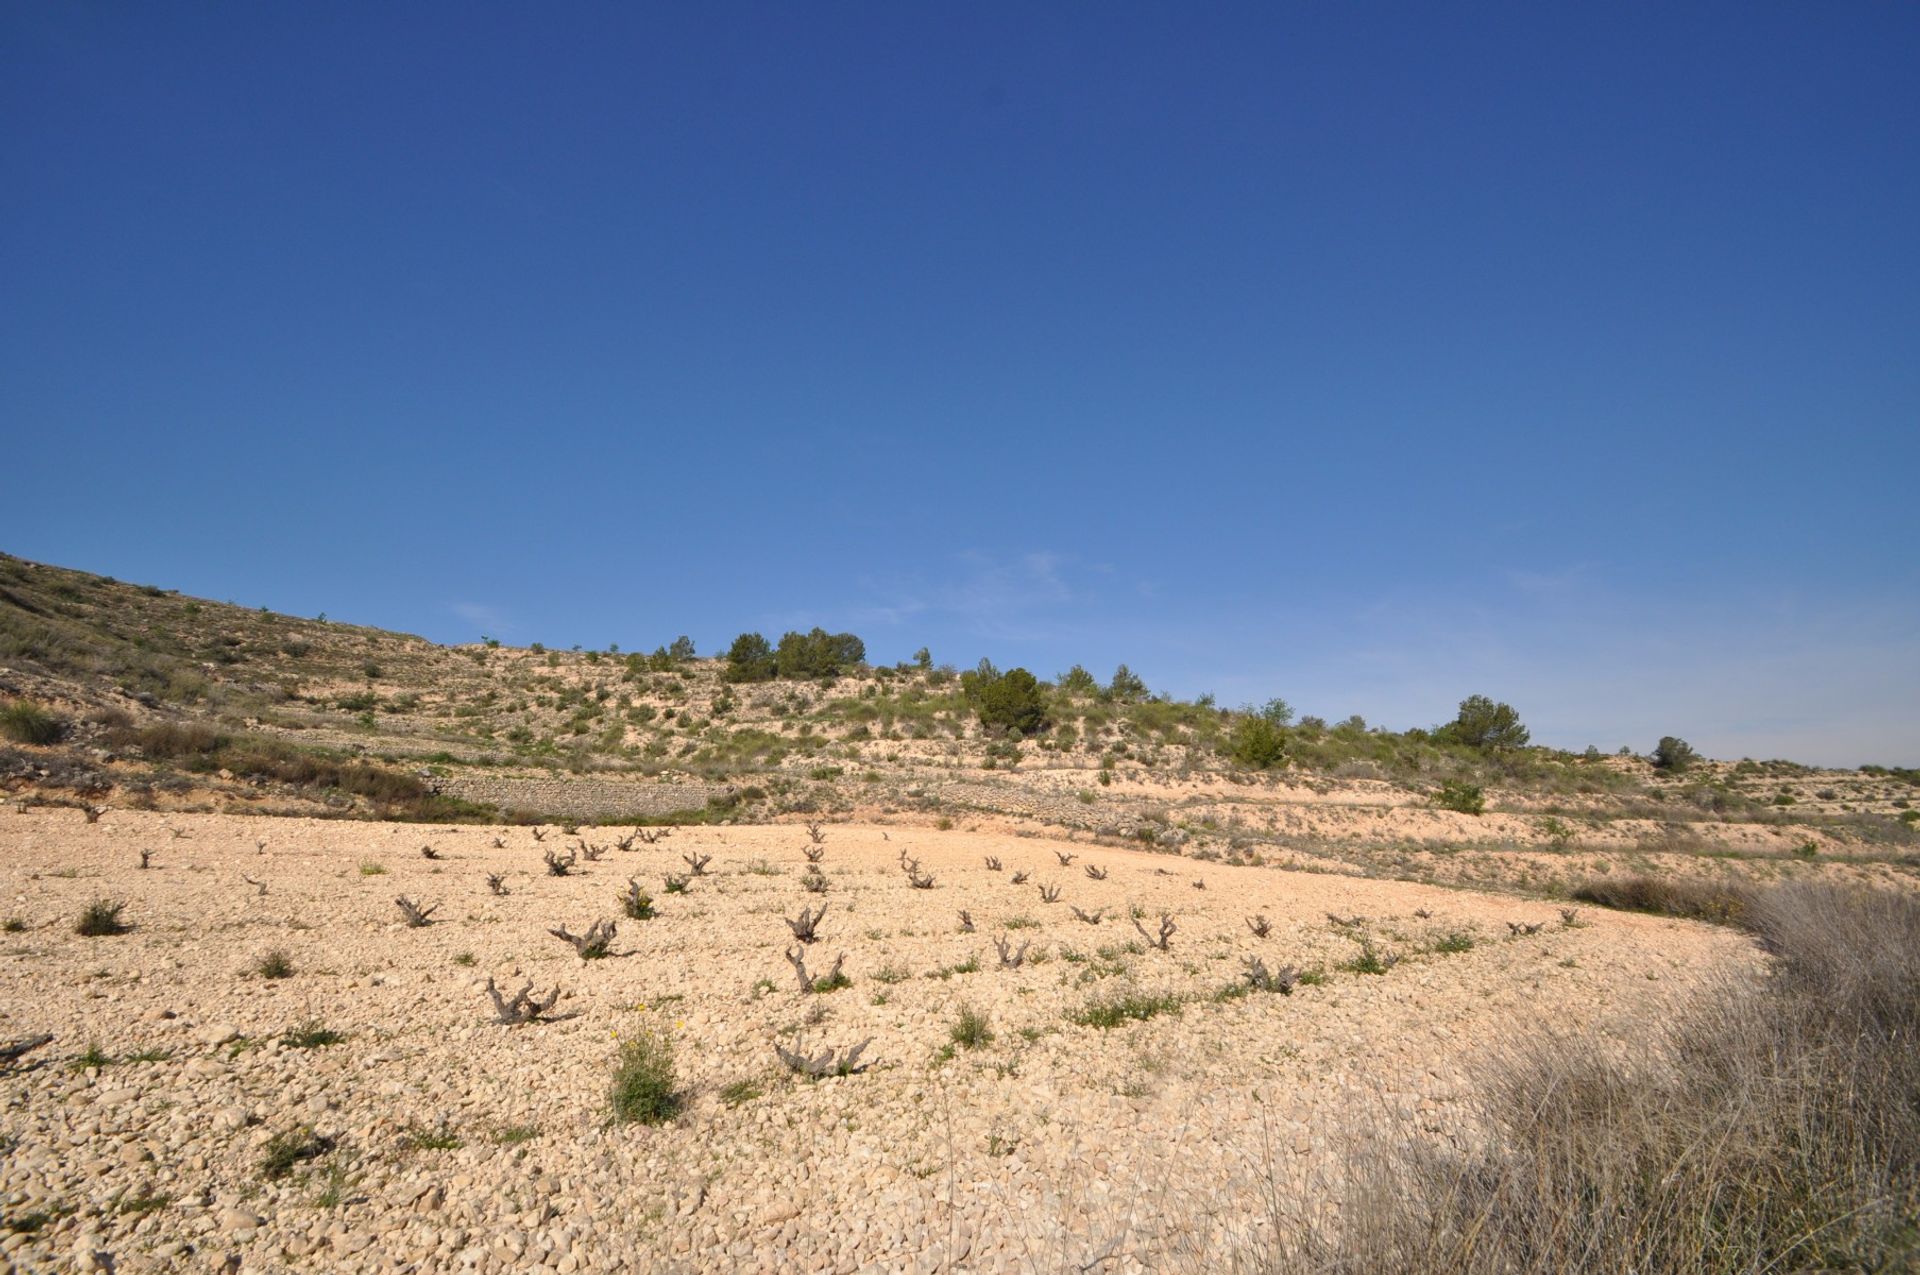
<point x="579" y="798"/>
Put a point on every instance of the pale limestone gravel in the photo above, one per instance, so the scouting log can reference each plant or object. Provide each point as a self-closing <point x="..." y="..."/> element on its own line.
<point x="1148" y="1145"/>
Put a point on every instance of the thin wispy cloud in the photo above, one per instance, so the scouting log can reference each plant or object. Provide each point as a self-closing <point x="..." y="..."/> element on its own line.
<point x="1031" y="596"/>
<point x="489" y="619"/>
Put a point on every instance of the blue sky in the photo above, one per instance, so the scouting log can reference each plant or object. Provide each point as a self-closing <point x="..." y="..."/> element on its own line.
<point x="1369" y="355"/>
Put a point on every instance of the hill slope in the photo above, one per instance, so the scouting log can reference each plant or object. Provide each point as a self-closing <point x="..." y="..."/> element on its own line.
<point x="170" y="702"/>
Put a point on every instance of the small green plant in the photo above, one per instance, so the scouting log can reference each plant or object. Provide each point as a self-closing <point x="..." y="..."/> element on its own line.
<point x="637" y="903"/>
<point x="1371" y="961"/>
<point x="339" y="1184"/>
<point x="436" y="1138"/>
<point x="890" y="974"/>
<point x="311" y="1035"/>
<point x="465" y="959"/>
<point x="1458" y="795"/>
<point x="643" y="1080"/>
<point x="371" y="868"/>
<point x="1557" y="832"/>
<point x="512" y="1135"/>
<point x="677" y="884"/>
<point x="1125" y="1007"/>
<point x="275" y="964"/>
<point x="92" y="1059"/>
<point x="287" y="1150"/>
<point x="143" y="1203"/>
<point x="969" y="966"/>
<point x="101" y="919"/>
<point x="971" y="1030"/>
<point x="1455" y="942"/>
<point x="740" y="1092"/>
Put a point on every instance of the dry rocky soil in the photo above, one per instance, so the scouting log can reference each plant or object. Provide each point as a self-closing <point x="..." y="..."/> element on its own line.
<point x="429" y="1137"/>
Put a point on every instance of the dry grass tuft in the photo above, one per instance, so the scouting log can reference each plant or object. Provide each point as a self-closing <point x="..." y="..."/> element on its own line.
<point x="1777" y="1128"/>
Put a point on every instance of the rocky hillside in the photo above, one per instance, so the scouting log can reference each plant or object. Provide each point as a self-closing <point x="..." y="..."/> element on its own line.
<point x="138" y="696"/>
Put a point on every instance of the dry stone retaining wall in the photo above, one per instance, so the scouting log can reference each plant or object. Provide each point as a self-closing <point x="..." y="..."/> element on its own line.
<point x="580" y="798"/>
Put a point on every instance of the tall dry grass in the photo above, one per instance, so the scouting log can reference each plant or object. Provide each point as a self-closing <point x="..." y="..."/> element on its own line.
<point x="1776" y="1129"/>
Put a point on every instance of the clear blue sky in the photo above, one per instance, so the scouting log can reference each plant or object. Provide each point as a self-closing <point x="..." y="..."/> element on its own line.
<point x="1369" y="355"/>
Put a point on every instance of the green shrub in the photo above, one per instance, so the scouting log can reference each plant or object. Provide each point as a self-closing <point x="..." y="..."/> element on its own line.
<point x="643" y="1080"/>
<point x="1127" y="687"/>
<point x="1077" y="681"/>
<point x="1012" y="702"/>
<point x="27" y="723"/>
<point x="1277" y="711"/>
<point x="1673" y="754"/>
<point x="1486" y="725"/>
<point x="817" y="653"/>
<point x="750" y="659"/>
<point x="1257" y="741"/>
<point x="1460" y="796"/>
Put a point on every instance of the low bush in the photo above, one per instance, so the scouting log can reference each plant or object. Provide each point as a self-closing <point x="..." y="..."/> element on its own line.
<point x="1673" y="754"/>
<point x="643" y="1080"/>
<point x="1465" y="798"/>
<point x="101" y="919"/>
<point x="1257" y="742"/>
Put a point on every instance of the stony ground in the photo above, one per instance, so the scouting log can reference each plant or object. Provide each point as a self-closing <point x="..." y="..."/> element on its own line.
<point x="138" y="1138"/>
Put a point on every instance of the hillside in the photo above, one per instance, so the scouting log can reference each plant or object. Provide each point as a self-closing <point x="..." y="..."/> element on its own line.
<point x="166" y="702"/>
